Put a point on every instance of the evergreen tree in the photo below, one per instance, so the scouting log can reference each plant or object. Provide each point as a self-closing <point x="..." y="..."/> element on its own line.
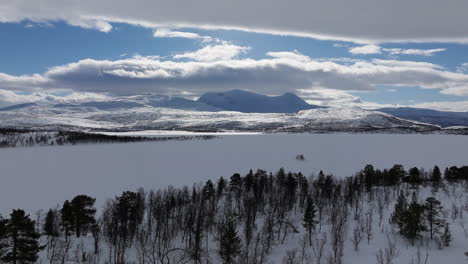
<point x="83" y="212"/>
<point x="369" y="177"/>
<point x="130" y="211"/>
<point x="208" y="191"/>
<point x="230" y="244"/>
<point x="66" y="220"/>
<point x="436" y="174"/>
<point x="447" y="174"/>
<point x="413" y="223"/>
<point x="23" y="239"/>
<point x="432" y="209"/>
<point x="398" y="216"/>
<point x="221" y="187"/>
<point x="309" y="221"/>
<point x="50" y="224"/>
<point x="396" y="173"/>
<point x="414" y="177"/>
<point x="236" y="182"/>
<point x="3" y="237"/>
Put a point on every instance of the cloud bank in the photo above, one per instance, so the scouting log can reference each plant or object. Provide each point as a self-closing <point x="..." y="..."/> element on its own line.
<point x="214" y="53"/>
<point x="281" y="72"/>
<point x="383" y="21"/>
<point x="375" y="49"/>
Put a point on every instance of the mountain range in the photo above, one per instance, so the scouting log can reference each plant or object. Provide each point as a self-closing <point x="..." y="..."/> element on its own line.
<point x="233" y="110"/>
<point x="248" y="102"/>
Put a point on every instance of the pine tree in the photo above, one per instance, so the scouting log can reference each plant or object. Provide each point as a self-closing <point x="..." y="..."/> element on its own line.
<point x="230" y="244"/>
<point x="398" y="216"/>
<point x="432" y="209"/>
<point x="221" y="187"/>
<point x="3" y="237"/>
<point x="413" y="220"/>
<point x="369" y="177"/>
<point x="23" y="239"/>
<point x="436" y="174"/>
<point x="208" y="191"/>
<point x="414" y="177"/>
<point x="130" y="214"/>
<point x="66" y="220"/>
<point x="396" y="173"/>
<point x="309" y="221"/>
<point x="236" y="182"/>
<point x="83" y="212"/>
<point x="50" y="224"/>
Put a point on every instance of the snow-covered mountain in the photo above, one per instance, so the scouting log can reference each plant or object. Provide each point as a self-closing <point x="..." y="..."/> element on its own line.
<point x="139" y="101"/>
<point x="141" y="113"/>
<point x="235" y="110"/>
<point x="248" y="102"/>
<point x="441" y="118"/>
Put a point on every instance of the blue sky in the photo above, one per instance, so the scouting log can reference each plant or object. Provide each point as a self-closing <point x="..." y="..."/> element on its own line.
<point x="32" y="49"/>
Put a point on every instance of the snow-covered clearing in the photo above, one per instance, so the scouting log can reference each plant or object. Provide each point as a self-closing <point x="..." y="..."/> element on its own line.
<point x="42" y="177"/>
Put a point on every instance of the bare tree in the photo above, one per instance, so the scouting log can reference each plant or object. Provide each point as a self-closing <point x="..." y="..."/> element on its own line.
<point x="304" y="255"/>
<point x="358" y="232"/>
<point x="318" y="248"/>
<point x="419" y="257"/>
<point x="338" y="218"/>
<point x="368" y="223"/>
<point x="388" y="254"/>
<point x="292" y="257"/>
<point x="380" y="206"/>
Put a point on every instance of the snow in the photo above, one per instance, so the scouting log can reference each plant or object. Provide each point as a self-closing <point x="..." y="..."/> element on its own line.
<point x="41" y="177"/>
<point x="144" y="118"/>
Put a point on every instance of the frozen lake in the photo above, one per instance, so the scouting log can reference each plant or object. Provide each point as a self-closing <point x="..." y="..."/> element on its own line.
<point x="42" y="177"/>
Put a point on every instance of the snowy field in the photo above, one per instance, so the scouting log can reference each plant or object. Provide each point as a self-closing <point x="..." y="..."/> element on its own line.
<point x="42" y="177"/>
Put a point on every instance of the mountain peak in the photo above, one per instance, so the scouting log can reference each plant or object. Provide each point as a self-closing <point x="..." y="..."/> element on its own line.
<point x="250" y="102"/>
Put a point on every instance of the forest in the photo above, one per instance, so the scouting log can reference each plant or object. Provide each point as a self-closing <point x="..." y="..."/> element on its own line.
<point x="26" y="138"/>
<point x="260" y="217"/>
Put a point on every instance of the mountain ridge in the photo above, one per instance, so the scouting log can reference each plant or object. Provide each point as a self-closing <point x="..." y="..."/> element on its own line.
<point x="225" y="111"/>
<point x="436" y="117"/>
<point x="249" y="102"/>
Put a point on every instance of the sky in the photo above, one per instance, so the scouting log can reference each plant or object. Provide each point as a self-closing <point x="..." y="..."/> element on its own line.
<point x="328" y="52"/>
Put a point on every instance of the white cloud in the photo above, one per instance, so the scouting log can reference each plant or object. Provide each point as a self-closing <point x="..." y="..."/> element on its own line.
<point x="366" y="49"/>
<point x="296" y="56"/>
<point x="11" y="98"/>
<point x="22" y="83"/>
<point x="167" y="33"/>
<point x="375" y="49"/>
<point x="383" y="21"/>
<point x="215" y="69"/>
<point x="459" y="106"/>
<point x="329" y="97"/>
<point x="340" y="45"/>
<point x="91" y="23"/>
<point x="463" y="67"/>
<point x="421" y="52"/>
<point x="407" y="64"/>
<point x="214" y="53"/>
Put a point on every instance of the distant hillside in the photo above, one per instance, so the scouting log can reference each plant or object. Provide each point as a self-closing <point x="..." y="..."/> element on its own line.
<point x="16" y="107"/>
<point x="248" y="102"/>
<point x="441" y="118"/>
<point x="148" y="100"/>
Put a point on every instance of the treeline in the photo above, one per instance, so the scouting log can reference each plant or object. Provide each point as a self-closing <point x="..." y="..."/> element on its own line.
<point x="239" y="220"/>
<point x="25" y="138"/>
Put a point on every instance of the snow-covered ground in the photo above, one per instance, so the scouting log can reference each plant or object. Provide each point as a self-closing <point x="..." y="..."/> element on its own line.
<point x="160" y="118"/>
<point x="41" y="177"/>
